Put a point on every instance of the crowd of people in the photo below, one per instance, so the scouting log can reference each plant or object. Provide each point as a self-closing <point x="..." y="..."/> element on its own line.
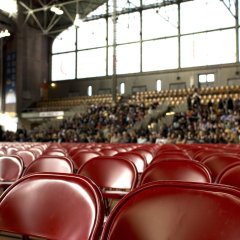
<point x="216" y="122"/>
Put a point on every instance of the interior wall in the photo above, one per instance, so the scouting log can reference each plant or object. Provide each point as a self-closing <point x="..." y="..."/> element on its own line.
<point x="187" y="76"/>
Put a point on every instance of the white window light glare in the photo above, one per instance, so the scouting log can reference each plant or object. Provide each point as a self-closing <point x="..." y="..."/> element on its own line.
<point x="122" y="88"/>
<point x="210" y="77"/>
<point x="89" y="91"/>
<point x="56" y="10"/>
<point x="202" y="78"/>
<point x="9" y="6"/>
<point x="159" y="85"/>
<point x="8" y="122"/>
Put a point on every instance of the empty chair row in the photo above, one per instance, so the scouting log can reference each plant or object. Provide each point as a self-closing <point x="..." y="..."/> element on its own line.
<point x="60" y="206"/>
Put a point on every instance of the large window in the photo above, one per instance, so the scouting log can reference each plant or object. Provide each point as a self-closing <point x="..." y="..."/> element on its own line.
<point x="153" y="36"/>
<point x="208" y="48"/>
<point x="63" y="66"/>
<point x="202" y="15"/>
<point x="166" y="19"/>
<point x="92" y="34"/>
<point x="65" y="41"/>
<point x="91" y="63"/>
<point x="160" y="54"/>
<point x="127" y="28"/>
<point x="128" y="58"/>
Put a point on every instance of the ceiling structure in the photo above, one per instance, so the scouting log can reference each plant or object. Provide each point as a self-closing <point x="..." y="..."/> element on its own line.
<point x="38" y="13"/>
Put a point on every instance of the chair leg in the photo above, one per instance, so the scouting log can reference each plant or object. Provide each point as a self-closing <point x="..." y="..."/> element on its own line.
<point x="107" y="206"/>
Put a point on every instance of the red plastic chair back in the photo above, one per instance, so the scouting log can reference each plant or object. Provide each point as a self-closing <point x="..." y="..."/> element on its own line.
<point x="51" y="152"/>
<point x="202" y="154"/>
<point x="179" y="170"/>
<point x="80" y="158"/>
<point x="12" y="150"/>
<point x="170" y="156"/>
<point x="138" y="160"/>
<point x="230" y="175"/>
<point x="110" y="172"/>
<point x="27" y="156"/>
<point x="11" y="168"/>
<point x="177" y="211"/>
<point x="108" y="152"/>
<point x="145" y="153"/>
<point x="216" y="164"/>
<point x="50" y="164"/>
<point x="36" y="151"/>
<point x="52" y="206"/>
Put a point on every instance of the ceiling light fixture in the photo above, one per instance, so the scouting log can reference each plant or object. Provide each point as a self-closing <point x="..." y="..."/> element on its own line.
<point x="4" y="33"/>
<point x="56" y="10"/>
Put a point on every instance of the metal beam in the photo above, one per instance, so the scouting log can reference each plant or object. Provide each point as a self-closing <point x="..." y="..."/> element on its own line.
<point x="114" y="76"/>
<point x="52" y="23"/>
<point x="229" y="7"/>
<point x="179" y="36"/>
<point x="68" y="14"/>
<point x="48" y="6"/>
<point x="237" y="31"/>
<point x="38" y="22"/>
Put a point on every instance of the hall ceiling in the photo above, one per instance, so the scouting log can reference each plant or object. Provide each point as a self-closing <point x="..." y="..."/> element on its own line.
<point x="37" y="13"/>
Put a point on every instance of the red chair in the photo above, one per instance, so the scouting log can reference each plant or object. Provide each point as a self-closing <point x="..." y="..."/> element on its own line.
<point x="12" y="150"/>
<point x="180" y="170"/>
<point x="108" y="152"/>
<point x="50" y="164"/>
<point x="79" y="158"/>
<point x="138" y="160"/>
<point x="116" y="177"/>
<point x="144" y="153"/>
<point x="27" y="156"/>
<point x="230" y="175"/>
<point x="177" y="211"/>
<point x="217" y="163"/>
<point x="170" y="156"/>
<point x="52" y="206"/>
<point x="11" y="169"/>
<point x="51" y="152"/>
<point x="36" y="151"/>
<point x="206" y="153"/>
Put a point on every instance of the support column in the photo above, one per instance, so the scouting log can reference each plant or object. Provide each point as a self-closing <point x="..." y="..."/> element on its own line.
<point x="1" y="77"/>
<point x="237" y="32"/>
<point x="179" y="36"/>
<point x="114" y="76"/>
